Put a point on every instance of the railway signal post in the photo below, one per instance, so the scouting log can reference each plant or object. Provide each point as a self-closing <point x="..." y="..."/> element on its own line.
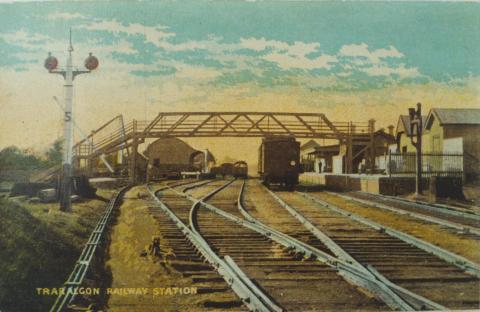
<point x="68" y="74"/>
<point x="416" y="129"/>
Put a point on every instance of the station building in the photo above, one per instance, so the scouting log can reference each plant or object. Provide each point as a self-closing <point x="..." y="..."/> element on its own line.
<point x="450" y="148"/>
<point x="446" y="132"/>
<point x="169" y="157"/>
<point x="332" y="158"/>
<point x="454" y="131"/>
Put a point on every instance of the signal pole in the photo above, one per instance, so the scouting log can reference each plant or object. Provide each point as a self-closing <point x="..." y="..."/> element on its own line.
<point x="206" y="169"/>
<point x="416" y="124"/>
<point x="68" y="74"/>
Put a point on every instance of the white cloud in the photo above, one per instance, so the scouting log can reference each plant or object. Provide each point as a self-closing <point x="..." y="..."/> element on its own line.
<point x="155" y="35"/>
<point x="286" y="61"/>
<point x="65" y="16"/>
<point x="298" y="48"/>
<point x="25" y="39"/>
<point x="375" y="63"/>
<point x="297" y="55"/>
<point x="289" y="56"/>
<point x="122" y="46"/>
<point x="33" y="46"/>
<point x="390" y="52"/>
<point x="375" y="56"/>
<point x="301" y="48"/>
<point x="355" y="50"/>
<point x="261" y="44"/>
<point x="385" y="70"/>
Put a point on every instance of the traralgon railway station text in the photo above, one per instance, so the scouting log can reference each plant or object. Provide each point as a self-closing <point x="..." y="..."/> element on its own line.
<point x="119" y="291"/>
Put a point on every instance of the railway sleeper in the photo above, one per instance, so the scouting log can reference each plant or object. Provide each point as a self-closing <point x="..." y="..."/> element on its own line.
<point x="226" y="304"/>
<point x="203" y="279"/>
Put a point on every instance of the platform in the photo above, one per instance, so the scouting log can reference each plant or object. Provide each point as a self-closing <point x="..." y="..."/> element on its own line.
<point x="376" y="183"/>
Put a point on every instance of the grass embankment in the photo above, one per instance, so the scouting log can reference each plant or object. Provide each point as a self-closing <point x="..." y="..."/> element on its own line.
<point x="39" y="248"/>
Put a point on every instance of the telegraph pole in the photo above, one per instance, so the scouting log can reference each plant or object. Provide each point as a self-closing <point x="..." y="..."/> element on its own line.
<point x="206" y="170"/>
<point x="417" y="124"/>
<point x="68" y="74"/>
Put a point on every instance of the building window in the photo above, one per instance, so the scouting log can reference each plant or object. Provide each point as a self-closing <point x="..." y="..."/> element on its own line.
<point x="156" y="162"/>
<point x="404" y="149"/>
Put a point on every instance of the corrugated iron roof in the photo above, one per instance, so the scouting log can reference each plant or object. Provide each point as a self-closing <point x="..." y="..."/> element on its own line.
<point x="326" y="148"/>
<point x="463" y="116"/>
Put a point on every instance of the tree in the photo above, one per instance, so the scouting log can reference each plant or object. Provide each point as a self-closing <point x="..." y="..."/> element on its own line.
<point x="12" y="158"/>
<point x="55" y="153"/>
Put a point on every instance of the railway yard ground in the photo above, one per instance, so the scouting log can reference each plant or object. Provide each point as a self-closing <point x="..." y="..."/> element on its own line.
<point x="472" y="192"/>
<point x="450" y="239"/>
<point x="235" y="245"/>
<point x="168" y="284"/>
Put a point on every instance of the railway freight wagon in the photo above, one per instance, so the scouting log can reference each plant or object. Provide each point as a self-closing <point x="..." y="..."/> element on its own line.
<point x="240" y="169"/>
<point x="226" y="169"/>
<point x="223" y="170"/>
<point x="279" y="161"/>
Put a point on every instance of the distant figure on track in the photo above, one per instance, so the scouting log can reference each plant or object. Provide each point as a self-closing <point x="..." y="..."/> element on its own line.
<point x="154" y="247"/>
<point x="168" y="257"/>
<point x="154" y="250"/>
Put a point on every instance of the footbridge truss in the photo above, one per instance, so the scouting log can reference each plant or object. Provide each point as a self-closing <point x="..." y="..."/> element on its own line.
<point x="115" y="136"/>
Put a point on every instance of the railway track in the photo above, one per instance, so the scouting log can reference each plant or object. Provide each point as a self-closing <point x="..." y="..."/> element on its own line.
<point x="244" y="247"/>
<point x="213" y="291"/>
<point x="456" y="207"/>
<point x="402" y="263"/>
<point x="457" y="219"/>
<point x="294" y="284"/>
<point x="285" y="277"/>
<point x="367" y="278"/>
<point x="82" y="266"/>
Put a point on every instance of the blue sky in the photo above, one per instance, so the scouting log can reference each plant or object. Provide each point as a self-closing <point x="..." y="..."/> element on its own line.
<point x="359" y="43"/>
<point x="312" y="55"/>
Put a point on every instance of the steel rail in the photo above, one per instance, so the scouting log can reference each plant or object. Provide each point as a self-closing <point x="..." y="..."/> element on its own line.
<point x="254" y="290"/>
<point x="293" y="244"/>
<point x="428" y="206"/>
<point x="194" y="184"/>
<point x="197" y="185"/>
<point x="80" y="269"/>
<point x="251" y="296"/>
<point x="351" y="273"/>
<point x="436" y="205"/>
<point x="457" y="208"/>
<point x="459" y="261"/>
<point x="457" y="226"/>
<point x="409" y="298"/>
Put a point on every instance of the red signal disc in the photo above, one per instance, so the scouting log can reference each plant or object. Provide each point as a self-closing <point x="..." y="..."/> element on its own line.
<point x="91" y="62"/>
<point x="51" y="63"/>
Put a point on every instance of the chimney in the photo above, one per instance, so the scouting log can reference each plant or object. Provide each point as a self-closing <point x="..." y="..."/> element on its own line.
<point x="390" y="130"/>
